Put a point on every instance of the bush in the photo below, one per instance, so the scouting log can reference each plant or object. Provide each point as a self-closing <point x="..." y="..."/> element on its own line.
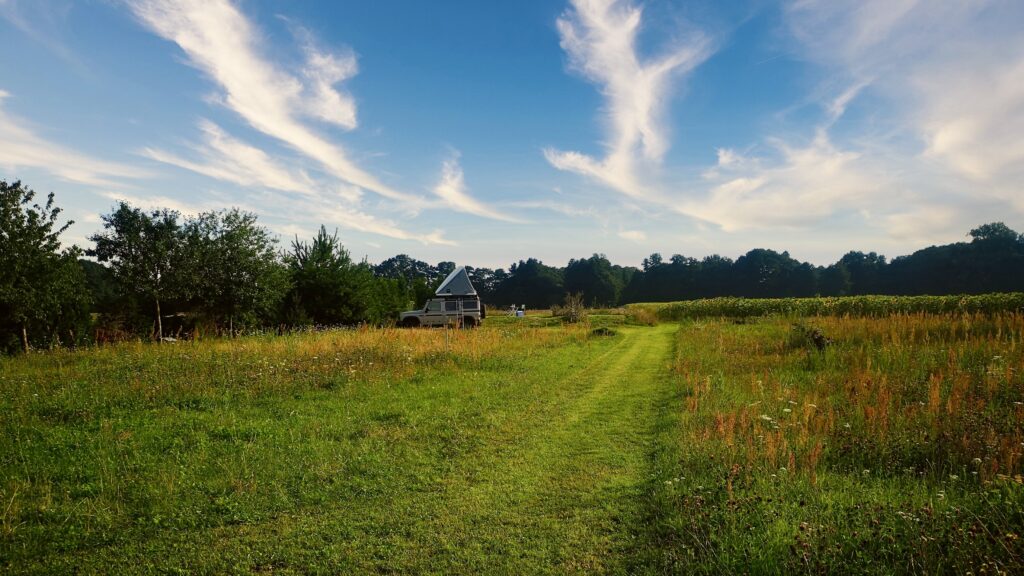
<point x="572" y="311"/>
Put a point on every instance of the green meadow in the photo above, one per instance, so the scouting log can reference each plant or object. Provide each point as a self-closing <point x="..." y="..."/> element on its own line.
<point x="776" y="444"/>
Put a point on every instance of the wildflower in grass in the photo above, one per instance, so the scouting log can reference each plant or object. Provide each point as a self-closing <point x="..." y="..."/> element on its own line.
<point x="766" y="418"/>
<point x="786" y="410"/>
<point x="976" y="461"/>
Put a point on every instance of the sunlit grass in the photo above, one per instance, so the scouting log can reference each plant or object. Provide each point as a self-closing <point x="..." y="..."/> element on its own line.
<point x="897" y="447"/>
<point x="528" y="445"/>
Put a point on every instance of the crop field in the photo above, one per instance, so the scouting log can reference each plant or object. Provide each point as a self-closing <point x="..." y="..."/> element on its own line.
<point x="871" y="306"/>
<point x="776" y="444"/>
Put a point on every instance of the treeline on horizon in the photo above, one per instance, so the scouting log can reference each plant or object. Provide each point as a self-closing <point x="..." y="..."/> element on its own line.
<point x="158" y="274"/>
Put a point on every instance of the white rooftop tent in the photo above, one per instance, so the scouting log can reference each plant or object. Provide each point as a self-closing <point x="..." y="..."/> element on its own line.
<point x="456" y="284"/>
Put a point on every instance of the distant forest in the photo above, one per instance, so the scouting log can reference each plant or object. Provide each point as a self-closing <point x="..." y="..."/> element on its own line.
<point x="992" y="261"/>
<point x="159" y="274"/>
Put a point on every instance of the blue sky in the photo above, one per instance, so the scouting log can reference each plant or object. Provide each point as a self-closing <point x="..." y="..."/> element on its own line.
<point x="486" y="132"/>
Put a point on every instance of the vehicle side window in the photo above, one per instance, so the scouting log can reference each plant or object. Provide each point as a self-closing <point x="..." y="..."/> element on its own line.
<point x="451" y="306"/>
<point x="433" y="306"/>
<point x="469" y="305"/>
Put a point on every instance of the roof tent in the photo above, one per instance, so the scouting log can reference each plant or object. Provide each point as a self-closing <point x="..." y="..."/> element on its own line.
<point x="456" y="284"/>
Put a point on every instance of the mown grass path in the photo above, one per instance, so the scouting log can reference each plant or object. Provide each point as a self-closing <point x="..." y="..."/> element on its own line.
<point x="567" y="495"/>
<point x="537" y="464"/>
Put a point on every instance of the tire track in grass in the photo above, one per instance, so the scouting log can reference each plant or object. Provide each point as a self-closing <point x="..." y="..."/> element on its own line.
<point x="570" y="497"/>
<point x="556" y="487"/>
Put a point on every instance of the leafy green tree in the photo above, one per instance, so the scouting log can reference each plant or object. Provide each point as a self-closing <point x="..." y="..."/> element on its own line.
<point x="106" y="294"/>
<point x="484" y="280"/>
<point x="835" y="280"/>
<point x="403" y="266"/>
<point x="327" y="287"/>
<point x="532" y="283"/>
<point x="234" y="266"/>
<point x="385" y="297"/>
<point x="593" y="279"/>
<point x="652" y="261"/>
<point x="416" y="277"/>
<point x="996" y="231"/>
<point x="867" y="272"/>
<point x="145" y="252"/>
<point x="42" y="288"/>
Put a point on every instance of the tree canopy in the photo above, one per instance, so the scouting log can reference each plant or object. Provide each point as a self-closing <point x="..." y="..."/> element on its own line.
<point x="43" y="296"/>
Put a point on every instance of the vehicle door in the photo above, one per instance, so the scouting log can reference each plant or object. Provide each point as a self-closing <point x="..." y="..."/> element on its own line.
<point x="434" y="314"/>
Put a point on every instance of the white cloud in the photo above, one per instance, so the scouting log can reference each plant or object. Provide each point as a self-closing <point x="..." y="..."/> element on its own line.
<point x="633" y="235"/>
<point x="953" y="73"/>
<point x="600" y="37"/>
<point x="21" y="147"/>
<point x="221" y="42"/>
<point x="159" y="202"/>
<point x="363" y="222"/>
<point x="451" y="189"/>
<point x="803" y="186"/>
<point x="952" y="76"/>
<point x="564" y="208"/>
<point x="323" y="70"/>
<point x="231" y="160"/>
<point x="283" y="212"/>
<point x="923" y="225"/>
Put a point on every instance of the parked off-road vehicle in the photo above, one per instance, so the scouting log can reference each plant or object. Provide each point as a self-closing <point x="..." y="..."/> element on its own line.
<point x="466" y="312"/>
<point x="457" y="304"/>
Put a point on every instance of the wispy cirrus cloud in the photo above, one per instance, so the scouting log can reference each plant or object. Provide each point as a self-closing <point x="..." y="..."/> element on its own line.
<point x="600" y="39"/>
<point x="941" y="145"/>
<point x="222" y="43"/>
<point x="797" y="187"/>
<point x="22" y="147"/>
<point x="950" y="79"/>
<point x="452" y="191"/>
<point x="280" y="213"/>
<point x="638" y="236"/>
<point x="323" y="71"/>
<point x="953" y="73"/>
<point x="226" y="158"/>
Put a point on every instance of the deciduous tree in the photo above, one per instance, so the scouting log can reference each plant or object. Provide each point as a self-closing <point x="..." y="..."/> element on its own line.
<point x="145" y="251"/>
<point x="42" y="288"/>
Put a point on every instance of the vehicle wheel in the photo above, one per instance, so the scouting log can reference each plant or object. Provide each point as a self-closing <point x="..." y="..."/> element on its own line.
<point x="410" y="322"/>
<point x="469" y="322"/>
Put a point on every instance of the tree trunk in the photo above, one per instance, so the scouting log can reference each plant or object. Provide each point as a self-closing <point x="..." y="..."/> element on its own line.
<point x="159" y="323"/>
<point x="231" y="325"/>
<point x="24" y="337"/>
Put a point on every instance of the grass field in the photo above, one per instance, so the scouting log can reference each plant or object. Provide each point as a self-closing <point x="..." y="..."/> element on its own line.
<point x="707" y="446"/>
